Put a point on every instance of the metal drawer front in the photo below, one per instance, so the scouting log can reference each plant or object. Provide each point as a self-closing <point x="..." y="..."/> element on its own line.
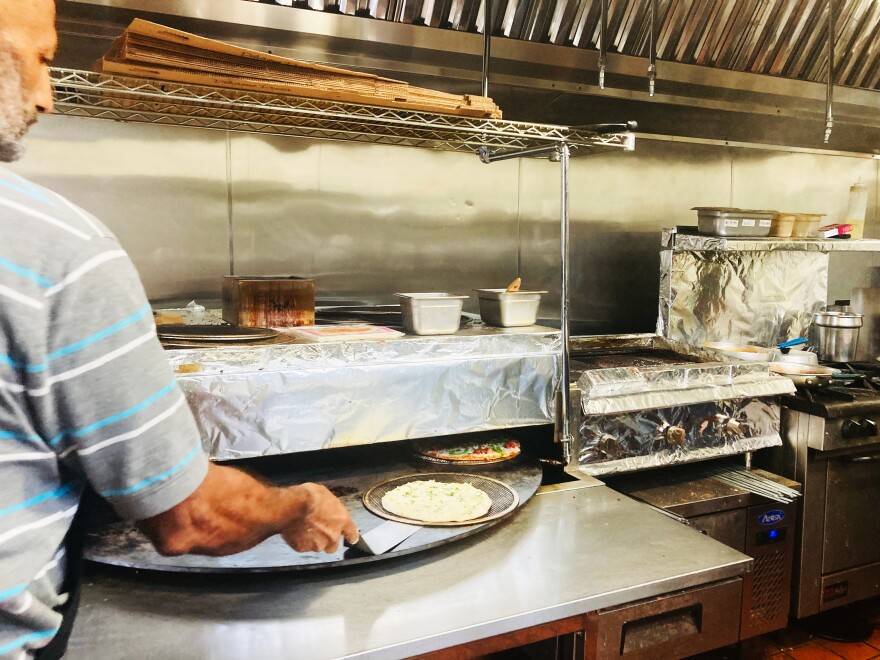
<point x="672" y="626"/>
<point x="852" y="525"/>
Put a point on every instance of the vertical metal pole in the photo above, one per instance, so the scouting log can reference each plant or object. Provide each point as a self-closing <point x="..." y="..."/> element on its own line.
<point x="229" y="208"/>
<point x="487" y="43"/>
<point x="603" y="44"/>
<point x="652" y="55"/>
<point x="829" y="92"/>
<point x="565" y="376"/>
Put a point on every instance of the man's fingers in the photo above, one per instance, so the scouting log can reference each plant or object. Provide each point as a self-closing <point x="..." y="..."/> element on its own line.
<point x="351" y="533"/>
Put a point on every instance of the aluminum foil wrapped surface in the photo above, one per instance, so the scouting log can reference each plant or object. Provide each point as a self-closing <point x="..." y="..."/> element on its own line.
<point x="285" y="398"/>
<point x="758" y="291"/>
<point x="626" y="389"/>
<point x="610" y="444"/>
<point x="648" y="401"/>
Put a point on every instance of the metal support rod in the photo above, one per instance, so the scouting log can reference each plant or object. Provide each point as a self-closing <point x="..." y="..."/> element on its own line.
<point x="829" y="92"/>
<point x="652" y="45"/>
<point x="487" y="156"/>
<point x="603" y="44"/>
<point x="565" y="375"/>
<point x="487" y="43"/>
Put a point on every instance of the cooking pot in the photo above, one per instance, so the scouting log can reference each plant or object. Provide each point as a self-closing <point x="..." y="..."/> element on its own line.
<point x="837" y="335"/>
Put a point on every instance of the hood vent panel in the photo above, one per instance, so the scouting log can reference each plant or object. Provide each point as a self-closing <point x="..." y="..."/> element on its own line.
<point x="785" y="38"/>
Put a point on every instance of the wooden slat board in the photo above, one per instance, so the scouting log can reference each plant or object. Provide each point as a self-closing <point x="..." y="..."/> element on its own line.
<point x="148" y="50"/>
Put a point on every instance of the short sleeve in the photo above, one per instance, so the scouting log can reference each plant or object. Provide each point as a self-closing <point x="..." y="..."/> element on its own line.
<point x="111" y="405"/>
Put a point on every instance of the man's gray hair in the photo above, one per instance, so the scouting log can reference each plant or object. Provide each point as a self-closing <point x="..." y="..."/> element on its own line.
<point x="12" y="122"/>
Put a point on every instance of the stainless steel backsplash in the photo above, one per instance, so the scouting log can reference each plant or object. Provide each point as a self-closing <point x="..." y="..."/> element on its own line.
<point x="367" y="221"/>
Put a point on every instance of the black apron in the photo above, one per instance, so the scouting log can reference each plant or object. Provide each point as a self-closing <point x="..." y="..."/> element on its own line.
<point x="73" y="547"/>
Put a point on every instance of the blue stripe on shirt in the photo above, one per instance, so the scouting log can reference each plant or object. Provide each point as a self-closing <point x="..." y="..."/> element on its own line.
<point x="29" y="189"/>
<point x="159" y="477"/>
<point x="150" y="400"/>
<point x="79" y="345"/>
<point x="101" y="423"/>
<point x="15" y="435"/>
<point x="12" y="592"/>
<point x="18" y="642"/>
<point x="42" y="497"/>
<point x="44" y="282"/>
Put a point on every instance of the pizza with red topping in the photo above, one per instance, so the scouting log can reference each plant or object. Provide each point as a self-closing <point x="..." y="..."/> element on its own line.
<point x="488" y="451"/>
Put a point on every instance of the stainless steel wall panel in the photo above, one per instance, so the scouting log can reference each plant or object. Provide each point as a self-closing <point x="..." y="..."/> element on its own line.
<point x="370" y="220"/>
<point x="161" y="190"/>
<point x="619" y="204"/>
<point x="803" y="182"/>
<point x="811" y="183"/>
<point x="367" y="221"/>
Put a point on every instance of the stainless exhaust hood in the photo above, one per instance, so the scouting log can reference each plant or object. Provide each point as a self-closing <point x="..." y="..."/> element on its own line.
<point x="738" y="70"/>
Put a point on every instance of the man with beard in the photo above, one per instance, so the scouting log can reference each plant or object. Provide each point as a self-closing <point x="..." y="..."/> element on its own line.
<point x="87" y="397"/>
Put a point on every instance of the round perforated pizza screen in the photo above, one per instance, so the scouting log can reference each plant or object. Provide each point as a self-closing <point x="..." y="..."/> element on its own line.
<point x="504" y="498"/>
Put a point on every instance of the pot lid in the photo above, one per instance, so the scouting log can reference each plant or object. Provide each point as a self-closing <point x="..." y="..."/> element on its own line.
<point x="838" y="319"/>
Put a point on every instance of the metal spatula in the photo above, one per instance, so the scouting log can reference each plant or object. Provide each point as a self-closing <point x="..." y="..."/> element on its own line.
<point x="385" y="537"/>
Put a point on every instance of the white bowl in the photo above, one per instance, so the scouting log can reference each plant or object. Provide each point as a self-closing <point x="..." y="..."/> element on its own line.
<point x="797" y="357"/>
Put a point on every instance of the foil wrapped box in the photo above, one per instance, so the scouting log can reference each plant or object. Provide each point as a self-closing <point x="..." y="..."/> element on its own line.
<point x="762" y="291"/>
<point x="286" y="398"/>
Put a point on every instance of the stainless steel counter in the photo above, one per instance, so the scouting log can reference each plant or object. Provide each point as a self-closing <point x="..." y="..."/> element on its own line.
<point x="568" y="552"/>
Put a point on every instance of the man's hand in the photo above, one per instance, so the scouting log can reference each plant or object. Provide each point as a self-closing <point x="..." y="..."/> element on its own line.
<point x="324" y="519"/>
<point x="231" y="512"/>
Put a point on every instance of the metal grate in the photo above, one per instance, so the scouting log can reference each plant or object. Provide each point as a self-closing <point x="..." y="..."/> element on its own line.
<point x="504" y="498"/>
<point x="768" y="593"/>
<point x="740" y="477"/>
<point x="102" y="96"/>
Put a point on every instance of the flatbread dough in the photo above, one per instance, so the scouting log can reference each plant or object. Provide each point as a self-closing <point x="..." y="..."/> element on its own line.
<point x="437" y="501"/>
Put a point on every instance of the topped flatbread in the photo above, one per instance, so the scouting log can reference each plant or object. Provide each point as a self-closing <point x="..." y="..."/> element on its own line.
<point x="470" y="452"/>
<point x="437" y="502"/>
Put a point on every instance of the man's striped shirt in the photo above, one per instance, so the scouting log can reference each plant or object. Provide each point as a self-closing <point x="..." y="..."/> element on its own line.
<point x="86" y="395"/>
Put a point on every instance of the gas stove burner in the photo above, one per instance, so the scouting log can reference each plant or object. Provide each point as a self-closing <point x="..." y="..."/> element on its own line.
<point x="849" y="393"/>
<point x="838" y="396"/>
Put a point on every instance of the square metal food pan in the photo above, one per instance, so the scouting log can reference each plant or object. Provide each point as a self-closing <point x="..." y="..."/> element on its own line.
<point x="505" y="309"/>
<point x="431" y="313"/>
<point x="720" y="221"/>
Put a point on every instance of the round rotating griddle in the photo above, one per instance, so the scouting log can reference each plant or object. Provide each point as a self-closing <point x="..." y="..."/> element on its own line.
<point x="504" y="498"/>
<point x="121" y="544"/>
<point x="213" y="333"/>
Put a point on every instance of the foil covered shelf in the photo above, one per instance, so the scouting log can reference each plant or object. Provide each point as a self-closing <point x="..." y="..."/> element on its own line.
<point x="286" y="398"/>
<point x="685" y="239"/>
<point x="119" y="98"/>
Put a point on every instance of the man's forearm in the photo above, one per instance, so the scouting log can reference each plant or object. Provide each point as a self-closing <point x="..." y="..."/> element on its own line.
<point x="228" y="513"/>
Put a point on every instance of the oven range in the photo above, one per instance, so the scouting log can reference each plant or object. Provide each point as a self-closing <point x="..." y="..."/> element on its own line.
<point x="831" y="445"/>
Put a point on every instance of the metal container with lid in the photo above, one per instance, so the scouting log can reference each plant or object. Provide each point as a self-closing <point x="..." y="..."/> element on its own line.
<point x="837" y="334"/>
<point x="723" y="221"/>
